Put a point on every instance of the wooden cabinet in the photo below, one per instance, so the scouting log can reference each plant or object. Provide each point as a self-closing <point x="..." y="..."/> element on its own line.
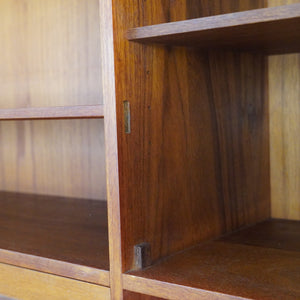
<point x="150" y="151"/>
<point x="214" y="190"/>
<point x="54" y="211"/>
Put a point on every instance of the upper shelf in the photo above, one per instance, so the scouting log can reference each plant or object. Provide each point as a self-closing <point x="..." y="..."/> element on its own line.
<point x="272" y="30"/>
<point x="60" y="112"/>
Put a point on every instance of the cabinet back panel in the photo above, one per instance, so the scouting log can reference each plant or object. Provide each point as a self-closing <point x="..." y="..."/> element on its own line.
<point x="53" y="157"/>
<point x="200" y="124"/>
<point x="206" y="8"/>
<point x="284" y="74"/>
<point x="284" y="99"/>
<point x="50" y="53"/>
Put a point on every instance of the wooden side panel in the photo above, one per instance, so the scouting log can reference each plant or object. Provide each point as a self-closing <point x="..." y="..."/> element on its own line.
<point x="284" y="95"/>
<point x="196" y="163"/>
<point x="50" y="53"/>
<point x="31" y="285"/>
<point x="54" y="157"/>
<point x="111" y="147"/>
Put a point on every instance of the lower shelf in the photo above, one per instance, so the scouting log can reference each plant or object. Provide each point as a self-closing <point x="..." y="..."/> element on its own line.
<point x="20" y="283"/>
<point x="261" y="262"/>
<point x="62" y="236"/>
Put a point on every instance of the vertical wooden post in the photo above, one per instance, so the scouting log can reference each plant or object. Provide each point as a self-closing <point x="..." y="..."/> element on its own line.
<point x="108" y="89"/>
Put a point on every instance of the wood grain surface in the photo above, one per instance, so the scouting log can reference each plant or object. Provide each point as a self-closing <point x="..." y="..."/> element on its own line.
<point x="50" y="53"/>
<point x="111" y="148"/>
<point x="237" y="268"/>
<point x="284" y="95"/>
<point x="128" y="295"/>
<point x="196" y="163"/>
<point x="55" y="112"/>
<point x="54" y="157"/>
<point x="271" y="30"/>
<point x="66" y="229"/>
<point x="56" y="267"/>
<point x="170" y="291"/>
<point x="50" y="56"/>
<point x="275" y="233"/>
<point x="25" y="284"/>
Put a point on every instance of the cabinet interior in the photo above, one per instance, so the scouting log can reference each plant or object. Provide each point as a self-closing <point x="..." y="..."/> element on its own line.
<point x="216" y="193"/>
<point x="53" y="195"/>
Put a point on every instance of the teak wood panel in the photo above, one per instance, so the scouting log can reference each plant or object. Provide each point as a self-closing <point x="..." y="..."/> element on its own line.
<point x="53" y="157"/>
<point x="284" y="99"/>
<point x="50" y="53"/>
<point x="196" y="163"/>
<point x="25" y="284"/>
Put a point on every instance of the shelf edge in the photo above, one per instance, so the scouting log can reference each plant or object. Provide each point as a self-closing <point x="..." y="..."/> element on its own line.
<point x="170" y="291"/>
<point x="52" y="266"/>
<point x="263" y="15"/>
<point x="57" y="112"/>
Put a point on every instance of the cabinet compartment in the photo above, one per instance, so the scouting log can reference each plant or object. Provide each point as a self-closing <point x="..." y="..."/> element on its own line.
<point x="53" y="198"/>
<point x="203" y="119"/>
<point x="53" y="181"/>
<point x="215" y="179"/>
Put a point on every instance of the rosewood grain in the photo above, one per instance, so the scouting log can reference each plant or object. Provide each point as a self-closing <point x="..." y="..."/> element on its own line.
<point x="196" y="163"/>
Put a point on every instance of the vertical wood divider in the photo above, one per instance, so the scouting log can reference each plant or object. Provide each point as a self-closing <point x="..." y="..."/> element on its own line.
<point x="111" y="147"/>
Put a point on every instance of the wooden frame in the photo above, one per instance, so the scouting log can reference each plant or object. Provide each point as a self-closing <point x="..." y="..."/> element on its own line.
<point x="198" y="181"/>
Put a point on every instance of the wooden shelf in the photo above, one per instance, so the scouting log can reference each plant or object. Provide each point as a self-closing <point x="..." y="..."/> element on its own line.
<point x="272" y="30"/>
<point x="262" y="262"/>
<point x="59" y="112"/>
<point x="63" y="236"/>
